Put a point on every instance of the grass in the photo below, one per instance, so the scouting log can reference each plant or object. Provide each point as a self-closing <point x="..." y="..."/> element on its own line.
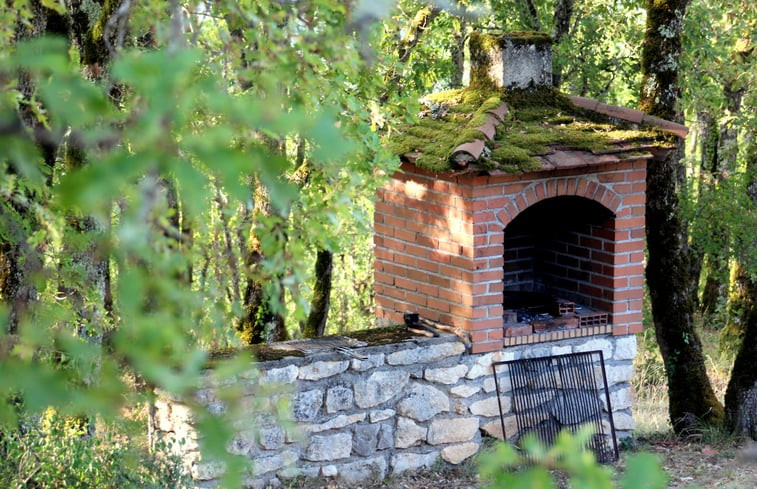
<point x="651" y="410"/>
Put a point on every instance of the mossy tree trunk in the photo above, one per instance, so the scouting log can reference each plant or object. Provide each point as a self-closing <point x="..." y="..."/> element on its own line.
<point x="692" y="399"/>
<point x="261" y="323"/>
<point x="19" y="261"/>
<point x="741" y="394"/>
<point x="563" y="16"/>
<point x="723" y="162"/>
<point x="458" y="51"/>
<point x="319" y="306"/>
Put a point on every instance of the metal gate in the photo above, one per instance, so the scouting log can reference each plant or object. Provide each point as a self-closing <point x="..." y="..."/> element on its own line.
<point x="559" y="392"/>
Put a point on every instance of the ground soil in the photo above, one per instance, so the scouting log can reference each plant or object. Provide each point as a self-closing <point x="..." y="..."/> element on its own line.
<point x="689" y="464"/>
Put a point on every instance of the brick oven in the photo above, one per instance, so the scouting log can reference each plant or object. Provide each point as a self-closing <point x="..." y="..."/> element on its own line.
<point x="518" y="213"/>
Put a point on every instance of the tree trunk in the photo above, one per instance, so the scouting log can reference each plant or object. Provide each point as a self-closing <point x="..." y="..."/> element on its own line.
<point x="19" y="262"/>
<point x="319" y="306"/>
<point x="741" y="394"/>
<point x="260" y="323"/>
<point x="723" y="163"/>
<point x="563" y="14"/>
<point x="691" y="398"/>
<point x="458" y="53"/>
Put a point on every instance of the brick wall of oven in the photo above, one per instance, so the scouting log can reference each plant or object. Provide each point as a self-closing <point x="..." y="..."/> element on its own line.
<point x="439" y="244"/>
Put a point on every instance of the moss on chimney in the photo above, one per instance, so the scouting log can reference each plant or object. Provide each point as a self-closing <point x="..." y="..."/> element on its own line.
<point x="539" y="120"/>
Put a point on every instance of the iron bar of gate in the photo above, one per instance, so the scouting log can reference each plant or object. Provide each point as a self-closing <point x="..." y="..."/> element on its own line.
<point x="549" y="393"/>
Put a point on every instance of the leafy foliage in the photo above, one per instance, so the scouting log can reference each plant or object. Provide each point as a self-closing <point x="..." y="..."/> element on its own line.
<point x="55" y="453"/>
<point x="535" y="465"/>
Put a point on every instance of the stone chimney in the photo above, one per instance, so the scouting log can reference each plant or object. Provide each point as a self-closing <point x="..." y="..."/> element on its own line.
<point x="512" y="60"/>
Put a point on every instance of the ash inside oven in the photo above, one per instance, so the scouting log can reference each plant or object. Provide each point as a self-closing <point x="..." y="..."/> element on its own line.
<point x="544" y="312"/>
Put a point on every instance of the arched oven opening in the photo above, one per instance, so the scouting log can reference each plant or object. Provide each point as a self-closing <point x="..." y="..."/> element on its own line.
<point x="558" y="266"/>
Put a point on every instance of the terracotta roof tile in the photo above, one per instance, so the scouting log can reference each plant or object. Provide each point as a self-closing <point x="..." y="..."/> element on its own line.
<point x="631" y="115"/>
<point x="500" y="112"/>
<point x="583" y="102"/>
<point x="677" y="129"/>
<point x="488" y="129"/>
<point x="468" y="152"/>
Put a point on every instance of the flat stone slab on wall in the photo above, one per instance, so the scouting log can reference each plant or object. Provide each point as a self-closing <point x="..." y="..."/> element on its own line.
<point x="403" y="407"/>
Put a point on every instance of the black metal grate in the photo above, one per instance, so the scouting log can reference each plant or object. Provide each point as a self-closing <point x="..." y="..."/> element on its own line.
<point x="559" y="392"/>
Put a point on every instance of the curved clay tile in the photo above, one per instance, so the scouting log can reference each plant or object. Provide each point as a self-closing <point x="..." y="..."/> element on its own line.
<point x="631" y="115"/>
<point x="488" y="128"/>
<point x="468" y="152"/>
<point x="500" y="112"/>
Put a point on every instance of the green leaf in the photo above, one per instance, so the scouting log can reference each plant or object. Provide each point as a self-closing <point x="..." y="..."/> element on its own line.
<point x="643" y="471"/>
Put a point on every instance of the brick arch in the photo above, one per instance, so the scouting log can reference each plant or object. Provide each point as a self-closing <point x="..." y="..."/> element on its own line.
<point x="559" y="187"/>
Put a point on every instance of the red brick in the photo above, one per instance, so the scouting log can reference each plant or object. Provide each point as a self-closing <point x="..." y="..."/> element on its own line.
<point x="438" y="305"/>
<point x="416" y="299"/>
<point x="429" y="290"/>
<point x="488" y="191"/>
<point x="483" y="217"/>
<point x="384" y="278"/>
<point x="634" y="199"/>
<point x="637" y="175"/>
<point x="514" y="188"/>
<point x="394" y="221"/>
<point x="451" y="295"/>
<point x="639" y="187"/>
<point x="484" y="324"/>
<point x="487" y="346"/>
<point x="582" y="187"/>
<point x="541" y="191"/>
<point x="635" y="328"/>
<point x="428" y="265"/>
<point x="619" y="330"/>
<point x="496" y="334"/>
<point x="495" y="287"/>
<point x="521" y="330"/>
<point x="487" y="300"/>
<point x="629" y="317"/>
<point x="479" y="336"/>
<point x="520" y="202"/>
<point x="451" y="272"/>
<point x="531" y="198"/>
<point x="405" y="260"/>
<point x="395" y="293"/>
<point x="383" y="254"/>
<point x="406" y="284"/>
<point x="551" y="188"/>
<point x="591" y="190"/>
<point x="629" y="223"/>
<point x="611" y="177"/>
<point x="493" y="250"/>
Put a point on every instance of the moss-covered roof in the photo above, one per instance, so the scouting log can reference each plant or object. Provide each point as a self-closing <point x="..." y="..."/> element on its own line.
<point x="514" y="131"/>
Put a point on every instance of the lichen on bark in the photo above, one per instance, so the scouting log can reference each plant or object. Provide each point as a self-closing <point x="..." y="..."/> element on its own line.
<point x="692" y="400"/>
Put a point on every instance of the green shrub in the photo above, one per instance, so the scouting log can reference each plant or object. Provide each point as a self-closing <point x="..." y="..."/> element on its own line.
<point x="53" y="452"/>
<point x="534" y="467"/>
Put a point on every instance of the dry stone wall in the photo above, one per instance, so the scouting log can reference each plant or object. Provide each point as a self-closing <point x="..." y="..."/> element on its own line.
<point x="402" y="407"/>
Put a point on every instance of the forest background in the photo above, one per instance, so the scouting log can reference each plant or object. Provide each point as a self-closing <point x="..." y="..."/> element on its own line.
<point x="180" y="177"/>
